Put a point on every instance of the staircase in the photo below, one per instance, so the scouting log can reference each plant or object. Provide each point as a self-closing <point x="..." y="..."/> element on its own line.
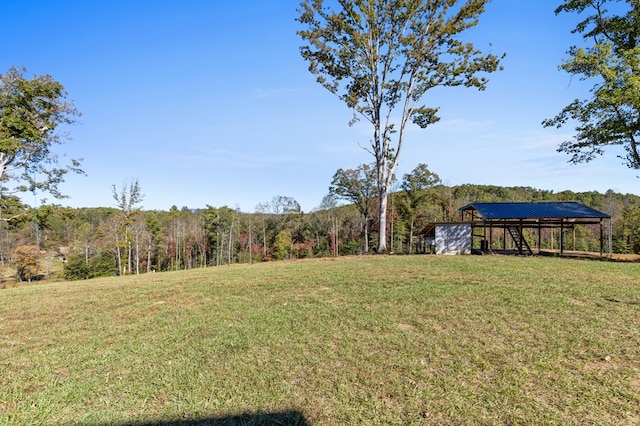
<point x="519" y="240"/>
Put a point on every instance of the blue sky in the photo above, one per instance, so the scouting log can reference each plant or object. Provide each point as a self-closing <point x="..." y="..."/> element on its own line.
<point x="207" y="102"/>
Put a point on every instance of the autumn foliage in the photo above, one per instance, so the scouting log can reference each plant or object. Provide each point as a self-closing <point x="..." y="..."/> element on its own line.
<point x="27" y="260"/>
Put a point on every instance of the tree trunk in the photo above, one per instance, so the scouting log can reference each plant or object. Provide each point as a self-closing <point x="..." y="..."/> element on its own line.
<point x="129" y="258"/>
<point x="366" y="234"/>
<point x="137" y="259"/>
<point x="219" y="249"/>
<point x="411" y="237"/>
<point x="250" y="244"/>
<point x="264" y="237"/>
<point x="392" y="222"/>
<point x="337" y="236"/>
<point x="119" y="259"/>
<point x="382" y="219"/>
<point x="230" y="242"/>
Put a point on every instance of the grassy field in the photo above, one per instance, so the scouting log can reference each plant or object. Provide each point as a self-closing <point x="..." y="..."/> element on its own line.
<point x="369" y="340"/>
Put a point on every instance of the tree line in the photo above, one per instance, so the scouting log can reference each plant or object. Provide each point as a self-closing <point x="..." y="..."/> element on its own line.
<point x="126" y="239"/>
<point x="380" y="58"/>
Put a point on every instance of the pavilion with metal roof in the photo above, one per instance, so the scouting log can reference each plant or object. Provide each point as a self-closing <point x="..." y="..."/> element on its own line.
<point x="513" y="218"/>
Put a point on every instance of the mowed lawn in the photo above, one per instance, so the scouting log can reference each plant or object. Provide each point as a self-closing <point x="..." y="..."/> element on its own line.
<point x="460" y="340"/>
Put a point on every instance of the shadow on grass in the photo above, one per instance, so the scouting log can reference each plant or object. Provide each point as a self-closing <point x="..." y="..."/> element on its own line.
<point x="284" y="418"/>
<point x="626" y="302"/>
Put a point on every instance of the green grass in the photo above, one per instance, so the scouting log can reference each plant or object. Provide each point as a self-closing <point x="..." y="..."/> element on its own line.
<point x="371" y="340"/>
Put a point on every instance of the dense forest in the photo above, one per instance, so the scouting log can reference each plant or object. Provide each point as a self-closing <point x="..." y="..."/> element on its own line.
<point x="129" y="240"/>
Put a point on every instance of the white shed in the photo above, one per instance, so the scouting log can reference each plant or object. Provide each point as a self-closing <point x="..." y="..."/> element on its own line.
<point x="453" y="238"/>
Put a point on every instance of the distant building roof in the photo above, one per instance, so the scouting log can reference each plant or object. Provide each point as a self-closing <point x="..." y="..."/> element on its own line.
<point x="536" y="210"/>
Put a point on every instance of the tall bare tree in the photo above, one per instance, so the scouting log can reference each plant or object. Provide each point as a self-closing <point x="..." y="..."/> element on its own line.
<point x="128" y="199"/>
<point x="380" y="56"/>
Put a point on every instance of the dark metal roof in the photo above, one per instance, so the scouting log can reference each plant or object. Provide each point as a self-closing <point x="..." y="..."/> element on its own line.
<point x="547" y="210"/>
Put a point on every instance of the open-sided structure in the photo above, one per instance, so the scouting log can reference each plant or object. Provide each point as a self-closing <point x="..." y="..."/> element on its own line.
<point x="509" y="220"/>
<point x="513" y="218"/>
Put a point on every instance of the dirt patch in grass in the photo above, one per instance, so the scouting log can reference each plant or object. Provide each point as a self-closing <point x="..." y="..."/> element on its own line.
<point x="624" y="257"/>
